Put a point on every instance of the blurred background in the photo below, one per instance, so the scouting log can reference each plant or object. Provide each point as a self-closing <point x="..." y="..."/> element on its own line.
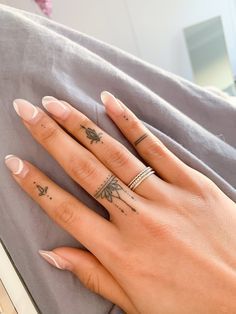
<point x="195" y="39"/>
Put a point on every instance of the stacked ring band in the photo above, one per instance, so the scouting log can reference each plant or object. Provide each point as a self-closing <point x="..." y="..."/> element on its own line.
<point x="140" y="177"/>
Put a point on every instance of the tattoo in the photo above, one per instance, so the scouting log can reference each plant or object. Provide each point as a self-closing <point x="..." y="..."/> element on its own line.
<point x="92" y="135"/>
<point x="43" y="126"/>
<point x="42" y="191"/>
<point x="140" y="139"/>
<point x="122" y="105"/>
<point x="110" y="189"/>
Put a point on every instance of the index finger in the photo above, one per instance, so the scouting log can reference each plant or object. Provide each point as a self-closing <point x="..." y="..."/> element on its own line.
<point x="66" y="210"/>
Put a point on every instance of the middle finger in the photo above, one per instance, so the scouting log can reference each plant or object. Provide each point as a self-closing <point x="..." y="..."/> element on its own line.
<point x="78" y="162"/>
<point x="108" y="150"/>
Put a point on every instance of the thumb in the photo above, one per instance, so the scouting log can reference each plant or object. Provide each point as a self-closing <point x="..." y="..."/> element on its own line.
<point x="91" y="273"/>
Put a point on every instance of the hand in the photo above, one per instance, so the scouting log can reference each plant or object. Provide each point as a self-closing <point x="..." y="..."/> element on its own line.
<point x="170" y="244"/>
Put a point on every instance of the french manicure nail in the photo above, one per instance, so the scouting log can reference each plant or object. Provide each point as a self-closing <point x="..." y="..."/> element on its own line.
<point x="25" y="109"/>
<point x="55" y="260"/>
<point x="56" y="107"/>
<point x="16" y="165"/>
<point x="113" y="105"/>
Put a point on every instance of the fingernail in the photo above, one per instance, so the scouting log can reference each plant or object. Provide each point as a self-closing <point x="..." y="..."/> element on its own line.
<point x="25" y="109"/>
<point x="56" y="107"/>
<point x="111" y="103"/>
<point x="55" y="260"/>
<point x="16" y="165"/>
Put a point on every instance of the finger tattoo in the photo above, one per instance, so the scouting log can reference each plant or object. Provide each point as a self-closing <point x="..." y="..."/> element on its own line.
<point x="92" y="135"/>
<point x="110" y="189"/>
<point x="140" y="139"/>
<point x="42" y="190"/>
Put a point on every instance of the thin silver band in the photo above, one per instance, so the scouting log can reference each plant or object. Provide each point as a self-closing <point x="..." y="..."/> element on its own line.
<point x="140" y="177"/>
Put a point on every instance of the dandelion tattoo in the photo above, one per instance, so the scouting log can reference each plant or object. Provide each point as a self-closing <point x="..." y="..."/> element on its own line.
<point x="42" y="190"/>
<point x="110" y="189"/>
<point x="140" y="139"/>
<point x="92" y="135"/>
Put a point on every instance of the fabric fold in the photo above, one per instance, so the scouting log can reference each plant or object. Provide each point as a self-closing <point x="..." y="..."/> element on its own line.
<point x="41" y="57"/>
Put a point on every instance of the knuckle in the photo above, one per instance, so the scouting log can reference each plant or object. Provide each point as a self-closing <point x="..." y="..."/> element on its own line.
<point x="157" y="229"/>
<point x="203" y="187"/>
<point x="135" y="124"/>
<point x="84" y="169"/>
<point x="156" y="149"/>
<point x="65" y="213"/>
<point x="92" y="281"/>
<point x="118" y="157"/>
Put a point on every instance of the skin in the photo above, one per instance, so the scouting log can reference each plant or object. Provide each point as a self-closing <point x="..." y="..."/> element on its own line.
<point x="169" y="246"/>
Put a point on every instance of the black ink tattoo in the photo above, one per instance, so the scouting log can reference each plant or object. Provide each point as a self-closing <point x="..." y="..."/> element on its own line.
<point x="140" y="139"/>
<point x="125" y="117"/>
<point x="92" y="135"/>
<point x="111" y="189"/>
<point x="43" y="126"/>
<point x="42" y="191"/>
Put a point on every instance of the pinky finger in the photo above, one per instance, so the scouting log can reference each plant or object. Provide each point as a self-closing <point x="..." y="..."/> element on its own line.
<point x="168" y="166"/>
<point x="90" y="272"/>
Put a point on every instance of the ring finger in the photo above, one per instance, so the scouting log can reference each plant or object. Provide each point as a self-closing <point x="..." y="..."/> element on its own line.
<point x="111" y="152"/>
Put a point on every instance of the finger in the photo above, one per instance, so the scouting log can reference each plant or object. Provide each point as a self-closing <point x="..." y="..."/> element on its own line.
<point x="152" y="150"/>
<point x="67" y="211"/>
<point x="109" y="151"/>
<point x="79" y="163"/>
<point x="90" y="272"/>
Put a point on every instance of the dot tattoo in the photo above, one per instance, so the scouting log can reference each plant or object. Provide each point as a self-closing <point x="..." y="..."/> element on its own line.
<point x="110" y="189"/>
<point x="140" y="139"/>
<point x="43" y="126"/>
<point x="42" y="190"/>
<point x="92" y="135"/>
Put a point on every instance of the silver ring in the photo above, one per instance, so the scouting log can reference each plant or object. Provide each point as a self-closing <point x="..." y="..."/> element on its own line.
<point x="144" y="174"/>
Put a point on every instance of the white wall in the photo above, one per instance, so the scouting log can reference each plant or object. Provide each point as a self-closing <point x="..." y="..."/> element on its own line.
<point x="150" y="29"/>
<point x="158" y="26"/>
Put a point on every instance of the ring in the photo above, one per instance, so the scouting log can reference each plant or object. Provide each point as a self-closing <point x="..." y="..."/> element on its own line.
<point x="140" y="177"/>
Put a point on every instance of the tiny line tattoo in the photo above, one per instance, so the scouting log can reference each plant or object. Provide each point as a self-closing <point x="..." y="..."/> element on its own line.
<point x="92" y="135"/>
<point x="122" y="210"/>
<point x="42" y="190"/>
<point x="140" y="139"/>
<point x="110" y="190"/>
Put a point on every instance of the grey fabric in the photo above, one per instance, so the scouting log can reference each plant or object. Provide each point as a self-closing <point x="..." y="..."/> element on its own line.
<point x="40" y="57"/>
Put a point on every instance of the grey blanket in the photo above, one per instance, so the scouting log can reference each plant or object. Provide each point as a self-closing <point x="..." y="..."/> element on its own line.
<point x="39" y="57"/>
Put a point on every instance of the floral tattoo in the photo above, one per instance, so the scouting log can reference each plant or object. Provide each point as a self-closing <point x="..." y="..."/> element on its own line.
<point x="92" y="135"/>
<point x="110" y="189"/>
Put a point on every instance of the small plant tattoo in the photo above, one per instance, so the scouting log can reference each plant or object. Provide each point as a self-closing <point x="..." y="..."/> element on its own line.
<point x="92" y="135"/>
<point x="110" y="189"/>
<point x="42" y="190"/>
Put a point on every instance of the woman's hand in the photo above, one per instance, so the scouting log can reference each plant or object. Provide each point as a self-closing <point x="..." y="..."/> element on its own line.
<point x="169" y="246"/>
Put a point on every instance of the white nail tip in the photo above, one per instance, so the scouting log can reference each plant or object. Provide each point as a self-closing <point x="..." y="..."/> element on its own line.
<point x="47" y="99"/>
<point x="20" y="163"/>
<point x="21" y="166"/>
<point x="51" y="258"/>
<point x="9" y="156"/>
<point x="35" y="112"/>
<point x="16" y="107"/>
